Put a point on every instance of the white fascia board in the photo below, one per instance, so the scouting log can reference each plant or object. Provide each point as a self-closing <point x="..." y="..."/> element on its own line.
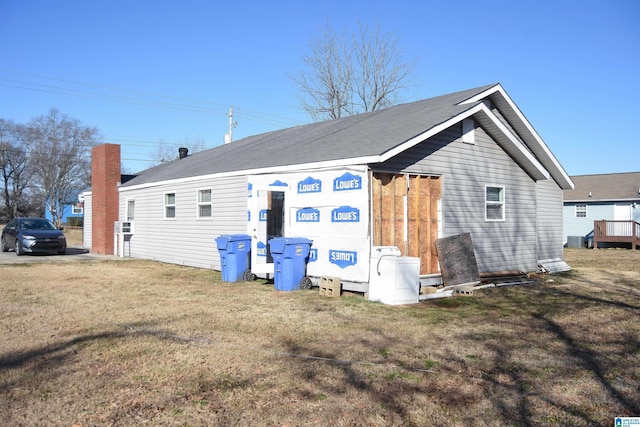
<point x="559" y="174"/>
<point x="482" y="95"/>
<point x="258" y="171"/>
<point x="480" y="108"/>
<point x="429" y="133"/>
<point x="539" y="170"/>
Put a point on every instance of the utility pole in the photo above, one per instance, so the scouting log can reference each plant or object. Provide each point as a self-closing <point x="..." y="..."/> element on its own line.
<point x="228" y="137"/>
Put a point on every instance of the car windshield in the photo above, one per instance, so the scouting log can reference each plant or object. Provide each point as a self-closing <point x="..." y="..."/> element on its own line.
<point x="37" y="224"/>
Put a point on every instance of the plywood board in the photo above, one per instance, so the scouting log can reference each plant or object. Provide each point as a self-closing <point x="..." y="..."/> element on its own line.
<point x="457" y="260"/>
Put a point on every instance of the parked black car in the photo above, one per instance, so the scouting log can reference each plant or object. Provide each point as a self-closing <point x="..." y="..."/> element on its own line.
<point x="33" y="235"/>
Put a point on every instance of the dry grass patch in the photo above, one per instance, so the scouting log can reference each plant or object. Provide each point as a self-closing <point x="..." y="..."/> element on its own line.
<point x="73" y="235"/>
<point x="136" y="342"/>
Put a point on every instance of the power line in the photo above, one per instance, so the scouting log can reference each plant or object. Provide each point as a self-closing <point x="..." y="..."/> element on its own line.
<point x="184" y="103"/>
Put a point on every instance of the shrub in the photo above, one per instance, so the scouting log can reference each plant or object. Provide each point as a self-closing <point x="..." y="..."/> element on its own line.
<point x="75" y="221"/>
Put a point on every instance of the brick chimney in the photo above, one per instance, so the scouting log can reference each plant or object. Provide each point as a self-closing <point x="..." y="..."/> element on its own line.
<point x="105" y="176"/>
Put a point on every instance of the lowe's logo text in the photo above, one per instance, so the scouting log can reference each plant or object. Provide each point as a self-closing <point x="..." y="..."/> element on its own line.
<point x="308" y="215"/>
<point x="262" y="249"/>
<point x="309" y="185"/>
<point x="345" y="214"/>
<point x="347" y="182"/>
<point x="313" y="255"/>
<point x="343" y="259"/>
<point x="263" y="215"/>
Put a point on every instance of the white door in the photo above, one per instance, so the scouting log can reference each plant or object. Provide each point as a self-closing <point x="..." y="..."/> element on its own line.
<point x="622" y="213"/>
<point x="268" y="219"/>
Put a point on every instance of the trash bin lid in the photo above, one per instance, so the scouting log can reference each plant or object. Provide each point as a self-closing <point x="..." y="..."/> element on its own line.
<point x="298" y="241"/>
<point x="236" y="237"/>
<point x="277" y="245"/>
<point x="222" y="241"/>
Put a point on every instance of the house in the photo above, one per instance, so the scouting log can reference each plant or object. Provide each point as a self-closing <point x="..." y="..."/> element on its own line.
<point x="609" y="197"/>
<point x="72" y="212"/>
<point x="466" y="162"/>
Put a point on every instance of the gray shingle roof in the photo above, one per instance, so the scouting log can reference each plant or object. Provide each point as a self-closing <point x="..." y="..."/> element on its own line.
<point x="363" y="135"/>
<point x="604" y="187"/>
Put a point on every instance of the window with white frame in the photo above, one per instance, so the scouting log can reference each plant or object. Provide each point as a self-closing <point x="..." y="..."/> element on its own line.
<point x="77" y="209"/>
<point x="581" y="211"/>
<point x="131" y="210"/>
<point x="170" y="205"/>
<point x="204" y="203"/>
<point x="494" y="203"/>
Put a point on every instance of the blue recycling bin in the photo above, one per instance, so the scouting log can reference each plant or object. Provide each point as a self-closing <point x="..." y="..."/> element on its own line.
<point x="234" y="250"/>
<point x="290" y="255"/>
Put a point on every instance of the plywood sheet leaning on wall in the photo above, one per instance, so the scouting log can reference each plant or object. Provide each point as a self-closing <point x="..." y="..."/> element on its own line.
<point x="405" y="214"/>
<point x="457" y="260"/>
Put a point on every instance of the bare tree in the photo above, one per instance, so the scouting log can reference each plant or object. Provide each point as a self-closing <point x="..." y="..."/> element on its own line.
<point x="351" y="75"/>
<point x="59" y="151"/>
<point x="167" y="152"/>
<point x="14" y="168"/>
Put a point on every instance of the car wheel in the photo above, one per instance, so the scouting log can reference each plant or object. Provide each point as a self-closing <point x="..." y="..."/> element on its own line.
<point x="62" y="252"/>
<point x="18" y="248"/>
<point x="3" y="245"/>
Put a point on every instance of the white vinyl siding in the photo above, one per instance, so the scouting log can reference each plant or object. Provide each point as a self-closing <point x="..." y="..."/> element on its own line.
<point x="87" y="222"/>
<point x="184" y="240"/>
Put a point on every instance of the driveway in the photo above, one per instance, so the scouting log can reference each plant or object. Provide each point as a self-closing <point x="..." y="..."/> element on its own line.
<point x="74" y="253"/>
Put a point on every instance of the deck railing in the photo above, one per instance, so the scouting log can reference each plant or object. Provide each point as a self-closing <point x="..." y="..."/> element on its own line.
<point x="605" y="231"/>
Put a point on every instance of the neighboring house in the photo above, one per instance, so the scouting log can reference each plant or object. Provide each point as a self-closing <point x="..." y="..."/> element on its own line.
<point x="467" y="162"/>
<point x="614" y="196"/>
<point x="70" y="209"/>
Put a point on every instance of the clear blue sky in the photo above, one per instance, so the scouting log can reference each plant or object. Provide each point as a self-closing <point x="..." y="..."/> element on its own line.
<point x="148" y="71"/>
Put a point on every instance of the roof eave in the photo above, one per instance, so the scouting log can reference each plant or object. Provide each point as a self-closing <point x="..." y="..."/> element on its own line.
<point x="258" y="171"/>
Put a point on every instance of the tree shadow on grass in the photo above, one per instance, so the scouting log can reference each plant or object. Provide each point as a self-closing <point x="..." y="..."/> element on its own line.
<point x="48" y="358"/>
<point x="571" y="348"/>
<point x="520" y="389"/>
<point x="590" y="361"/>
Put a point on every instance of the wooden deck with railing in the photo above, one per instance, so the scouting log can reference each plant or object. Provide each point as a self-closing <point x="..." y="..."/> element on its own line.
<point x="606" y="231"/>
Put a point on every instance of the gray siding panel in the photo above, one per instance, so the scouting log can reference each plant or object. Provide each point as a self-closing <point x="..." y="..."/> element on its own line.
<point x="186" y="239"/>
<point x="549" y="216"/>
<point x="466" y="170"/>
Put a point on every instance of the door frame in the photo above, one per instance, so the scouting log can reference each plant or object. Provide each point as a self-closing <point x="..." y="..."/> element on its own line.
<point x="260" y="260"/>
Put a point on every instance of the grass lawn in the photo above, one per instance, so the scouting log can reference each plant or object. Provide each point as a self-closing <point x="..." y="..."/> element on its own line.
<point x="141" y="343"/>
